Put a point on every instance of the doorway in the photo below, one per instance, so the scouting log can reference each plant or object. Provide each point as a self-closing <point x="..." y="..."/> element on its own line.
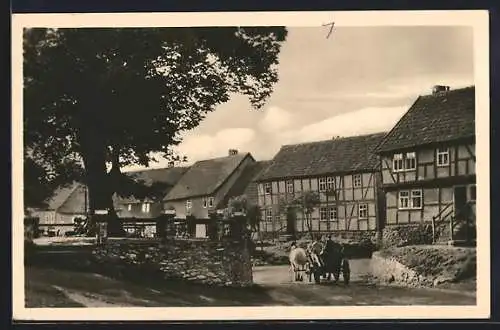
<point x="291" y="223"/>
<point x="459" y="202"/>
<point x="201" y="230"/>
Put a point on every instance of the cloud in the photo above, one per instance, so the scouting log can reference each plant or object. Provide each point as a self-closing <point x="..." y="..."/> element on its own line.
<point x="198" y="147"/>
<point x="362" y="121"/>
<point x="275" y="119"/>
<point x="204" y="146"/>
<point x="422" y="85"/>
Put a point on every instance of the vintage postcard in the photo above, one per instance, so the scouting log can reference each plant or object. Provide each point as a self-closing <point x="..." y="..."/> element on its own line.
<point x="251" y="166"/>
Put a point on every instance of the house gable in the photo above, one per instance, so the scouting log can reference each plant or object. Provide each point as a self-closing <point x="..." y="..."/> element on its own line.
<point x="434" y="119"/>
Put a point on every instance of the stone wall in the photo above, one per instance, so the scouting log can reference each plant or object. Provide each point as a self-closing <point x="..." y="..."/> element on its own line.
<point x="404" y="235"/>
<point x="389" y="270"/>
<point x="424" y="265"/>
<point x="224" y="263"/>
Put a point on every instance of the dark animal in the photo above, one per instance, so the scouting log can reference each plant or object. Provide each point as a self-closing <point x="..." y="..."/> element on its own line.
<point x="335" y="262"/>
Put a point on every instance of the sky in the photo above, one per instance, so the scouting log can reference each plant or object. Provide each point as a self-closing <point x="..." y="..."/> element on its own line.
<point x="360" y="80"/>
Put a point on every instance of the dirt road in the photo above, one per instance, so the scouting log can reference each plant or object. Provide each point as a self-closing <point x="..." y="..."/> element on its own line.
<point x="360" y="291"/>
<point x="51" y="287"/>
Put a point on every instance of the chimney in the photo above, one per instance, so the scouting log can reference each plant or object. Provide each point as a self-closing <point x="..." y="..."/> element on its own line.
<point x="233" y="152"/>
<point x="171" y="164"/>
<point x="439" y="89"/>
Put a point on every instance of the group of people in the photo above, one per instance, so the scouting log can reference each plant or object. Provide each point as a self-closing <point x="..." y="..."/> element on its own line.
<point x="320" y="248"/>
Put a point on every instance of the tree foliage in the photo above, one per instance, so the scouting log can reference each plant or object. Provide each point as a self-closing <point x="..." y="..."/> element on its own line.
<point x="251" y="211"/>
<point x="307" y="203"/>
<point x="94" y="96"/>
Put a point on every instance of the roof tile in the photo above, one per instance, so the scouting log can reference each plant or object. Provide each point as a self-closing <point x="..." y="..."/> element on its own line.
<point x="347" y="154"/>
<point x="434" y="118"/>
<point x="205" y="177"/>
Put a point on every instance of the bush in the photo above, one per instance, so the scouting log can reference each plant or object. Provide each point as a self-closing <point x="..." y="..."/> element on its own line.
<point x="398" y="236"/>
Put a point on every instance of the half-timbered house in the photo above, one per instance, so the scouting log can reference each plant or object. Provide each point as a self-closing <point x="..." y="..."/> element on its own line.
<point x="342" y="171"/>
<point x="428" y="162"/>
<point x="204" y="189"/>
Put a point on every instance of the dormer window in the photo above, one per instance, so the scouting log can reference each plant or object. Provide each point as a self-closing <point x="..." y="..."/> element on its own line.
<point x="404" y="162"/>
<point x="267" y="188"/>
<point x="356" y="180"/>
<point x="397" y="163"/>
<point x="443" y="157"/>
<point x="410" y="161"/>
<point x="330" y="183"/>
<point x="145" y="207"/>
<point x="322" y="184"/>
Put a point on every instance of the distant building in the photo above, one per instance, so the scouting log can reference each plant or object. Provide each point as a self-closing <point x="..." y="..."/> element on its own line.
<point x="246" y="184"/>
<point x="138" y="214"/>
<point x="428" y="161"/>
<point x="205" y="187"/>
<point x="62" y="208"/>
<point x="343" y="171"/>
<point x="149" y="208"/>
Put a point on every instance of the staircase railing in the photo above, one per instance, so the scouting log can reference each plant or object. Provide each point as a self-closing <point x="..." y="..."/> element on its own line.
<point x="451" y="215"/>
<point x="439" y="218"/>
<point x="279" y="230"/>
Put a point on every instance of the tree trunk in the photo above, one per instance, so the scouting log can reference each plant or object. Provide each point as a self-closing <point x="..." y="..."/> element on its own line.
<point x="115" y="226"/>
<point x="100" y="188"/>
<point x="309" y="225"/>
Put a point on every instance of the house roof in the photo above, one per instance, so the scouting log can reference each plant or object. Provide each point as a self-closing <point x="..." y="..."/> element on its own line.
<point x="205" y="177"/>
<point x="74" y="203"/>
<point x="339" y="155"/>
<point x="60" y="195"/>
<point x="246" y="184"/>
<point x="168" y="176"/>
<point x="433" y="119"/>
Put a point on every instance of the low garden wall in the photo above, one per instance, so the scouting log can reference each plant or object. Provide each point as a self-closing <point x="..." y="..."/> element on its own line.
<point x="404" y="235"/>
<point x="221" y="263"/>
<point x="424" y="265"/>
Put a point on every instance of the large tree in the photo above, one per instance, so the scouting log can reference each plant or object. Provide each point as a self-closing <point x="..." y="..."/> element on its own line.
<point x="121" y="95"/>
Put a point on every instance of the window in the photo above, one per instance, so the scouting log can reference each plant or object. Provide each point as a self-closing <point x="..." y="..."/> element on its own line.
<point x="204" y="201"/>
<point x="472" y="191"/>
<point x="416" y="199"/>
<point x="410" y="199"/>
<point x="443" y="157"/>
<point x="188" y="204"/>
<point x="269" y="215"/>
<point x="404" y="162"/>
<point x="397" y="163"/>
<point x="410" y="161"/>
<point x="145" y="207"/>
<point x="404" y="199"/>
<point x="330" y="183"/>
<point x="129" y="207"/>
<point x="323" y="213"/>
<point x="322" y="184"/>
<point x="210" y="201"/>
<point x="356" y="180"/>
<point x="267" y="188"/>
<point x="362" y="211"/>
<point x="333" y="214"/>
<point x="289" y="186"/>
